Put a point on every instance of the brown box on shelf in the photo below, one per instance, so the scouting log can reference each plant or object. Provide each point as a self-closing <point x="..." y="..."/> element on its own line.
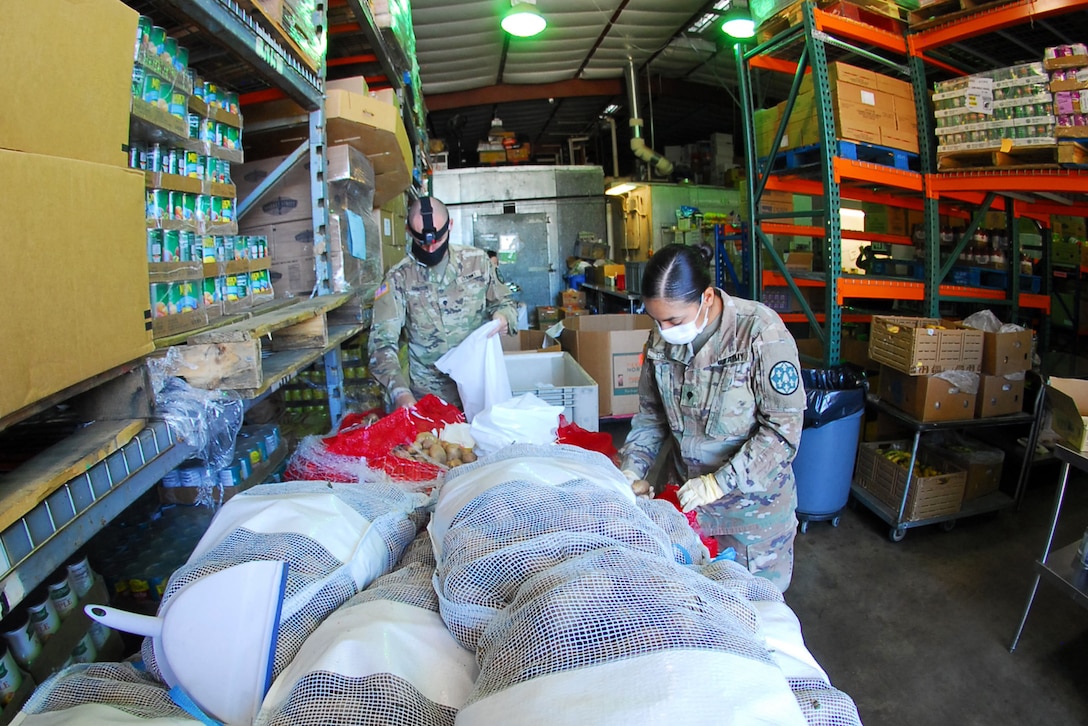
<point x="76" y="289"/>
<point x="287" y="201"/>
<point x="547" y="316"/>
<point x="572" y="299"/>
<point x="67" y="88"/>
<point x="896" y="138"/>
<point x="799" y="261"/>
<point x="858" y="122"/>
<point x="1067" y="399"/>
<point x="610" y="348"/>
<point x="926" y="398"/>
<point x="572" y="312"/>
<point x="867" y="96"/>
<point x="895" y="87"/>
<point x="493" y="157"/>
<point x="927" y="496"/>
<point x="376" y="129"/>
<point x="839" y="73"/>
<point x="999" y="396"/>
<point x="519" y="153"/>
<point x="922" y="346"/>
<point x="529" y="341"/>
<point x="981" y="462"/>
<point x="1004" y="353"/>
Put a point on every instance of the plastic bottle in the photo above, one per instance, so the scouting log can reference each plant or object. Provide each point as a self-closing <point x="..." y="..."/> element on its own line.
<point x="22" y="639"/>
<point x="80" y="575"/>
<point x="43" y="615"/>
<point x="10" y="675"/>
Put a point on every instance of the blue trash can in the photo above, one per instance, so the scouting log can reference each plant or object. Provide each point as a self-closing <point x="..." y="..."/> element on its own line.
<point x="824" y="469"/>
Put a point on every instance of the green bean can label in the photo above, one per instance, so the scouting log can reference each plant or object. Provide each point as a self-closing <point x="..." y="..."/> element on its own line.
<point x="154" y="245"/>
<point x="152" y="89"/>
<point x="10" y="676"/>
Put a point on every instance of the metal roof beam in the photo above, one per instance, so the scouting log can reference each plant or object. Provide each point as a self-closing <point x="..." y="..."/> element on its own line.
<point x="510" y="93"/>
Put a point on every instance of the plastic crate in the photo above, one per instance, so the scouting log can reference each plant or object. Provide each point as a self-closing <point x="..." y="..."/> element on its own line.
<point x="928" y="496"/>
<point x="918" y="347"/>
<point x="557" y="379"/>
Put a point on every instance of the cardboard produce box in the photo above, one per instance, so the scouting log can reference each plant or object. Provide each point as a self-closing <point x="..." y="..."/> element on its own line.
<point x="926" y="398"/>
<point x="611" y="349"/>
<point x="983" y="463"/>
<point x="76" y="294"/>
<point x="923" y="346"/>
<point x="67" y="89"/>
<point x="1067" y="399"/>
<point x="1005" y="353"/>
<point x="376" y="129"/>
<point x="1000" y="395"/>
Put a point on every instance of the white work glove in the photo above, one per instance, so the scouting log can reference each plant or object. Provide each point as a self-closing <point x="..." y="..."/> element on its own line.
<point x="640" y="487"/>
<point x="699" y="491"/>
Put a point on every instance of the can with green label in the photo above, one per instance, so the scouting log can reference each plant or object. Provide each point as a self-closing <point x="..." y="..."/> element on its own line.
<point x="230" y="137"/>
<point x="224" y="171"/>
<point x="137" y="157"/>
<point x="169" y="160"/>
<point x="10" y="675"/>
<point x="230" y="293"/>
<point x="216" y="210"/>
<point x="157" y="40"/>
<point x="138" y="75"/>
<point x="154" y="158"/>
<point x="171" y="245"/>
<point x="226" y="209"/>
<point x="188" y="207"/>
<point x="207" y="130"/>
<point x="211" y="168"/>
<point x="187" y="299"/>
<point x="231" y="104"/>
<point x="169" y="49"/>
<point x="198" y="85"/>
<point x="203" y="208"/>
<point x="179" y="103"/>
<point x="185" y="246"/>
<point x="85" y="652"/>
<point x="152" y="89"/>
<point x="193" y="168"/>
<point x="211" y="292"/>
<point x="207" y="245"/>
<point x="143" y="32"/>
<point x="181" y="59"/>
<point x="211" y="94"/>
<point x="154" y="245"/>
<point x="158" y="201"/>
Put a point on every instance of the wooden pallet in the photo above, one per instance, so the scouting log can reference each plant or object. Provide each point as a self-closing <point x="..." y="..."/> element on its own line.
<point x="944" y="11"/>
<point x="1064" y="154"/>
<point x="231" y="356"/>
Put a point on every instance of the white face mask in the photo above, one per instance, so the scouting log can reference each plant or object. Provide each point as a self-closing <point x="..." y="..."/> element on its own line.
<point x="685" y="332"/>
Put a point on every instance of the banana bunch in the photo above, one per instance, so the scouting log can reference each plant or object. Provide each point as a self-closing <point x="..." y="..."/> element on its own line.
<point x="902" y="458"/>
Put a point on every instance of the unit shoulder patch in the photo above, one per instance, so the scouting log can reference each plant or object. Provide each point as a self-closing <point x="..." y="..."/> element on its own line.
<point x="784" y="377"/>
<point x="382" y="289"/>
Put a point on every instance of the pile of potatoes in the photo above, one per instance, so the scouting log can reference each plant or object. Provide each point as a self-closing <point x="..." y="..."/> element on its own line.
<point x="427" y="447"/>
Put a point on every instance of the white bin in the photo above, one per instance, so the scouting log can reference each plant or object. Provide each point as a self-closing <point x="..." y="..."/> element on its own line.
<point x="557" y="379"/>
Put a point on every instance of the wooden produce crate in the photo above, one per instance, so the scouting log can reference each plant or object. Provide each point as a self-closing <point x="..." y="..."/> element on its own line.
<point x="928" y="496"/>
<point x="923" y="346"/>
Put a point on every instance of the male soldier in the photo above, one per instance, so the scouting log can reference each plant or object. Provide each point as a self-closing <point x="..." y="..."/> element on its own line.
<point x="721" y="378"/>
<point x="436" y="296"/>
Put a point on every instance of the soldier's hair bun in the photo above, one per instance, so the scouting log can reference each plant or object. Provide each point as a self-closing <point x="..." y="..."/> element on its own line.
<point x="677" y="272"/>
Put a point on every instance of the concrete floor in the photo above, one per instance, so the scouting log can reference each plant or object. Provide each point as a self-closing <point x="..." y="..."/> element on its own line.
<point x="917" y="632"/>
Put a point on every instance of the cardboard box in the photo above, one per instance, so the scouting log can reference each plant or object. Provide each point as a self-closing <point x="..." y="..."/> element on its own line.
<point x="493" y="157"/>
<point x="999" y="396"/>
<point x="76" y="292"/>
<point x="355" y="84"/>
<point x="799" y="260"/>
<point x="529" y="341"/>
<point x="839" y="73"/>
<point x="572" y="312"/>
<point x="923" y="346"/>
<point x="611" y="349"/>
<point x="287" y="201"/>
<point x="1005" y="353"/>
<point x="905" y="140"/>
<point x="868" y="96"/>
<point x="392" y="227"/>
<point x="859" y="122"/>
<point x="547" y="316"/>
<point x="983" y="463"/>
<point x="927" y="496"/>
<point x="882" y="219"/>
<point x="895" y="87"/>
<point x="376" y="129"/>
<point x="572" y="299"/>
<point x="1067" y="399"/>
<point x="67" y="89"/>
<point x="926" y="398"/>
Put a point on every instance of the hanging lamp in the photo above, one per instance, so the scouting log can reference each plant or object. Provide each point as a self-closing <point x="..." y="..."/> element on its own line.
<point x="737" y="22"/>
<point x="523" y="19"/>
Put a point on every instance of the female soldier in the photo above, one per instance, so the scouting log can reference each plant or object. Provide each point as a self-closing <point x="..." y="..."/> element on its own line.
<point x="721" y="376"/>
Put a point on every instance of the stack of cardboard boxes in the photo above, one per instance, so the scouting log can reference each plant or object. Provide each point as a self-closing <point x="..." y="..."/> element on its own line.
<point x="869" y="108"/>
<point x="75" y="294"/>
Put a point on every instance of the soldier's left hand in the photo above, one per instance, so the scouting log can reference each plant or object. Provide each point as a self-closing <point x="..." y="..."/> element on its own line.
<point x="500" y="325"/>
<point x="699" y="491"/>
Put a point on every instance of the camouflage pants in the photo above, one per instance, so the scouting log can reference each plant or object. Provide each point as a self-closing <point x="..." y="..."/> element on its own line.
<point x="766" y="554"/>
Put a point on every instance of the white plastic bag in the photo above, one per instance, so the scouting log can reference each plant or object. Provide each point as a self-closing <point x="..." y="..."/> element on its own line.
<point x="478" y="368"/>
<point x="522" y="420"/>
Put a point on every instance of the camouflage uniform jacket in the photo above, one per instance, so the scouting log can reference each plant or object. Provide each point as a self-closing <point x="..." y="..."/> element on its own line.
<point x="435" y="308"/>
<point x="734" y="409"/>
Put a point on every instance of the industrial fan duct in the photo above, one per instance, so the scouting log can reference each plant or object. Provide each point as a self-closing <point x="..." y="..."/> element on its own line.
<point x="638" y="145"/>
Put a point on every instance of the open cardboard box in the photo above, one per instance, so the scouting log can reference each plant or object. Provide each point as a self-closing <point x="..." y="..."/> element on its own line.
<point x="1068" y="402"/>
<point x="529" y="341"/>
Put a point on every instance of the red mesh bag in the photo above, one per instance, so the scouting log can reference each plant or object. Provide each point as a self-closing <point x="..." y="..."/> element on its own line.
<point x="575" y="435"/>
<point x="671" y="495"/>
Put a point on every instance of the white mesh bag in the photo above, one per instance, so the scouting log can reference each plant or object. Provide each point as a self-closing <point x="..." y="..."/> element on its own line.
<point x="102" y="694"/>
<point x="687" y="548"/>
<point x="578" y="611"/>
<point x="384" y="658"/>
<point x="336" y="538"/>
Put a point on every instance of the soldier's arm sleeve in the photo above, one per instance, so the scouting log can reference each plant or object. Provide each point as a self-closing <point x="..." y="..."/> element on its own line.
<point x="500" y="300"/>
<point x="763" y="460"/>
<point x="382" y="347"/>
<point x="649" y="427"/>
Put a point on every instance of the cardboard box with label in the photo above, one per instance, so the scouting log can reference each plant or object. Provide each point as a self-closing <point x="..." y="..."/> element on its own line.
<point x="611" y="349"/>
<point x="1067" y="399"/>
<point x="926" y="398"/>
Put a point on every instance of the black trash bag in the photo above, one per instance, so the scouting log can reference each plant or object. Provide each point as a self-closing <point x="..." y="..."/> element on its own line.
<point x="833" y="393"/>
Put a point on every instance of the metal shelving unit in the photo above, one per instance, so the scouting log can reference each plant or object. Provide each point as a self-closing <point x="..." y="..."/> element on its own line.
<point x="804" y="49"/>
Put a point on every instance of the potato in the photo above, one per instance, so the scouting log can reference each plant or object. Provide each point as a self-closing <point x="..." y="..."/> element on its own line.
<point x="426" y="440"/>
<point x="438" y="453"/>
<point x="468" y="456"/>
<point x="454" y="462"/>
<point x="453" y="451"/>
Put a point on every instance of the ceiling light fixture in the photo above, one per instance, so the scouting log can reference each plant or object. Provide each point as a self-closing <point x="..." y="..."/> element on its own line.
<point x="620" y="188"/>
<point x="738" y="23"/>
<point x="523" y="19"/>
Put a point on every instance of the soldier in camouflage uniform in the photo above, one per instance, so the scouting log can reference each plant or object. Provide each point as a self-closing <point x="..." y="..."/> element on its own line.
<point x="435" y="297"/>
<point x="728" y="391"/>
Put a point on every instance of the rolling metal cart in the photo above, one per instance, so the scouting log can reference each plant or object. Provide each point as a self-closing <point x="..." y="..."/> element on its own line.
<point x="987" y="503"/>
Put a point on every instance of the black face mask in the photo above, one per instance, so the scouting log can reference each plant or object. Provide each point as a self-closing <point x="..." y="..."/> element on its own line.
<point x="430" y="259"/>
<point x="428" y="236"/>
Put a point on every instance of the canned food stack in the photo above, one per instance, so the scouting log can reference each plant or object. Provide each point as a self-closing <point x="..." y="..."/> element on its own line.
<point x="1068" y="67"/>
<point x="44" y="620"/>
<point x="982" y="111"/>
<point x="256" y="449"/>
<point x="161" y="83"/>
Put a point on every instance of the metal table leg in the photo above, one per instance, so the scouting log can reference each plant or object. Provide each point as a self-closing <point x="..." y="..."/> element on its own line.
<point x="898" y="531"/>
<point x="1063" y="479"/>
